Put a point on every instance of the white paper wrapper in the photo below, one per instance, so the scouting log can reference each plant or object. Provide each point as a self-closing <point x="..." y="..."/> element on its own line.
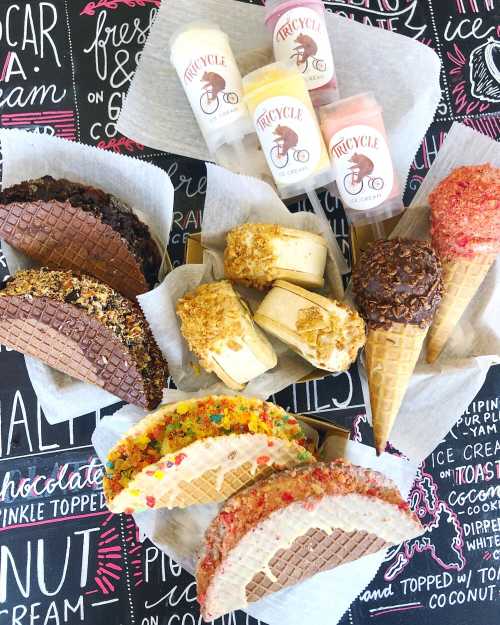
<point x="322" y="599"/>
<point x="439" y="393"/>
<point x="144" y="187"/>
<point x="231" y="200"/>
<point x="156" y="111"/>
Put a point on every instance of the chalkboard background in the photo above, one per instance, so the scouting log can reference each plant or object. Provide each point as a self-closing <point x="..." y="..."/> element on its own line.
<point x="65" y="66"/>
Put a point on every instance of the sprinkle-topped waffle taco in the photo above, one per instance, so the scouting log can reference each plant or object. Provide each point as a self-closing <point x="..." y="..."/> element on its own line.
<point x="201" y="451"/>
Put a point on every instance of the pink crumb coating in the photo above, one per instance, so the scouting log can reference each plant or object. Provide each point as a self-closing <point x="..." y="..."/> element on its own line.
<point x="465" y="212"/>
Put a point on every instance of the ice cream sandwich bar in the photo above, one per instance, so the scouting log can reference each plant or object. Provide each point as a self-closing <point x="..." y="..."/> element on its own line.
<point x="325" y="332"/>
<point x="219" y="329"/>
<point x="258" y="254"/>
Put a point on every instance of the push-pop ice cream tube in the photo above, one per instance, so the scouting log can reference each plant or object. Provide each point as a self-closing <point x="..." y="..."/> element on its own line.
<point x="300" y="38"/>
<point x="289" y="133"/>
<point x="354" y="131"/>
<point x="203" y="59"/>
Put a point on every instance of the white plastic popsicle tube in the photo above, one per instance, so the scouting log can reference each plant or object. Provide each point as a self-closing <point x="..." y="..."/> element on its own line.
<point x="300" y="39"/>
<point x="203" y="59"/>
<point x="285" y="121"/>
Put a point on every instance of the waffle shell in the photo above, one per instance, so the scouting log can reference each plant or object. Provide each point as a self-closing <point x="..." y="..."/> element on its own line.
<point x="69" y="340"/>
<point x="390" y="356"/>
<point x="209" y="470"/>
<point x="62" y="236"/>
<point x="462" y="277"/>
<point x="312" y="553"/>
<point x="299" y="541"/>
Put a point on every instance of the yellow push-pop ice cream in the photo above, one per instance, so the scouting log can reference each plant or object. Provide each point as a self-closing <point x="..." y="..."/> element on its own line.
<point x="284" y="118"/>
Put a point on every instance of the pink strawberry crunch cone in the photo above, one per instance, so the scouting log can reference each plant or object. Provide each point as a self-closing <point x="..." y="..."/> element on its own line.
<point x="465" y="230"/>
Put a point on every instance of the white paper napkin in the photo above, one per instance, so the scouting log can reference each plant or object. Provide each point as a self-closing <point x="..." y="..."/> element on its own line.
<point x="230" y="200"/>
<point x="144" y="187"/>
<point x="438" y="394"/>
<point x="403" y="74"/>
<point x="322" y="599"/>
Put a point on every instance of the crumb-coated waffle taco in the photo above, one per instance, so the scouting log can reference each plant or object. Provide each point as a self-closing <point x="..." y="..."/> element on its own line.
<point x="201" y="451"/>
<point x="327" y="333"/>
<point x="258" y="254"/>
<point x="294" y="524"/>
<point x="68" y="225"/>
<point x="84" y="328"/>
<point x="219" y="329"/>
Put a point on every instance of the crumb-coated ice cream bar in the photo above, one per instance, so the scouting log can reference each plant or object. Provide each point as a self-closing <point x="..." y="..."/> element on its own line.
<point x="68" y="225"/>
<point x="294" y="524"/>
<point x="258" y="254"/>
<point x="219" y="329"/>
<point x="84" y="328"/>
<point x="325" y="332"/>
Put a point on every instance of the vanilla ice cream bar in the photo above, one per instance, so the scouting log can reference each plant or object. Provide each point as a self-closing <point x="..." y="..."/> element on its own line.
<point x="258" y="254"/>
<point x="219" y="329"/>
<point x="323" y="331"/>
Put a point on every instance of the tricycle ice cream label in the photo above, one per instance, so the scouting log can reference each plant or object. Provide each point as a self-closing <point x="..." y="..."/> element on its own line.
<point x="363" y="166"/>
<point x="300" y="38"/>
<point x="212" y="83"/>
<point x="289" y="137"/>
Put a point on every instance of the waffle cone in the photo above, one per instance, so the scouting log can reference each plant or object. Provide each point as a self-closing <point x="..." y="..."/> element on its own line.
<point x="462" y="278"/>
<point x="62" y="236"/>
<point x="390" y="356"/>
<point x="209" y="470"/>
<point x="69" y="340"/>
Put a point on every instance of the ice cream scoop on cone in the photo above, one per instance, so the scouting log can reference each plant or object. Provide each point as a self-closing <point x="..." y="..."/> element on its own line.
<point x="465" y="218"/>
<point x="397" y="286"/>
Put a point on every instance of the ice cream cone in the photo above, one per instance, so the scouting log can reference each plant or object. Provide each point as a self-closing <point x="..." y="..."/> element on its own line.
<point x="398" y="287"/>
<point x="390" y="356"/>
<point x="462" y="278"/>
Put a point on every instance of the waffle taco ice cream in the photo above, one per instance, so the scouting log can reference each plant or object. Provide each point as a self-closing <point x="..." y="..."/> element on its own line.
<point x="219" y="329"/>
<point x="325" y="332"/>
<point x="201" y="451"/>
<point x="397" y="286"/>
<point x="83" y="328"/>
<point x="258" y="254"/>
<point x="68" y="225"/>
<point x="294" y="524"/>
<point x="465" y="230"/>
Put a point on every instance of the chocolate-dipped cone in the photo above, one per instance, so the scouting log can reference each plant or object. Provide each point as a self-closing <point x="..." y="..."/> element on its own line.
<point x="397" y="285"/>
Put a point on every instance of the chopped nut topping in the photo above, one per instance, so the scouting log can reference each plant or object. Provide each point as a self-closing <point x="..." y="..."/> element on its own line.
<point x="398" y="281"/>
<point x="249" y="257"/>
<point x="212" y="316"/>
<point x="325" y="332"/>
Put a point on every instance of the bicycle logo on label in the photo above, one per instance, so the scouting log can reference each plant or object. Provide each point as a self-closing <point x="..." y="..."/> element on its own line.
<point x="361" y="170"/>
<point x="305" y="54"/>
<point x="284" y="144"/>
<point x="213" y="91"/>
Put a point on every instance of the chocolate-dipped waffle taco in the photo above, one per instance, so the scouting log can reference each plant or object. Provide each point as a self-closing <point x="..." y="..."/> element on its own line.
<point x="84" y="328"/>
<point x="68" y="225"/>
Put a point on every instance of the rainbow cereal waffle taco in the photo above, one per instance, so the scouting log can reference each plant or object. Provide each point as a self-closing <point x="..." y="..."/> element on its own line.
<point x="201" y="451"/>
